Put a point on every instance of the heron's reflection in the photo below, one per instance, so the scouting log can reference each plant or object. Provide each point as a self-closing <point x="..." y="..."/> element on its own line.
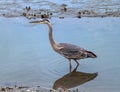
<point x="73" y="79"/>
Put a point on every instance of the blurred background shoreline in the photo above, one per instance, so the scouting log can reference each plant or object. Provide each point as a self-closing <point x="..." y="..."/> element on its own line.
<point x="61" y="8"/>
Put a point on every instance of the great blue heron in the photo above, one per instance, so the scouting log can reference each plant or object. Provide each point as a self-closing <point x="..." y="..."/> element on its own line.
<point x="67" y="50"/>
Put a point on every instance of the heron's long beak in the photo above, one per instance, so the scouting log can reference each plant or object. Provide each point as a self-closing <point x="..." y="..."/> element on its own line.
<point x="34" y="22"/>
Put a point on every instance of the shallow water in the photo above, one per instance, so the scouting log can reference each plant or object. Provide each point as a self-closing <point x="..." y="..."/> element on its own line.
<point x="26" y="56"/>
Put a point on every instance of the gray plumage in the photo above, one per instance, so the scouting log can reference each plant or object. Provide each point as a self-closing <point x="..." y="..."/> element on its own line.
<point x="71" y="51"/>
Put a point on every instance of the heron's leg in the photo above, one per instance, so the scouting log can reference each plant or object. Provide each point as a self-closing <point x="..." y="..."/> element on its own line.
<point x="70" y="64"/>
<point x="76" y="68"/>
<point x="77" y="63"/>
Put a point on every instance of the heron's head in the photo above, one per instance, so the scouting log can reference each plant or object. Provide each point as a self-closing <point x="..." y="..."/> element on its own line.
<point x="42" y="21"/>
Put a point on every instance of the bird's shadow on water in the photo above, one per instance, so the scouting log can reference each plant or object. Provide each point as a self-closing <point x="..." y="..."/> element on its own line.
<point x="73" y="79"/>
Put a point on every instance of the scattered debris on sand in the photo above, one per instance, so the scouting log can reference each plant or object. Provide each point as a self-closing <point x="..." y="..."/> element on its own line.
<point x="33" y="89"/>
<point x="47" y="9"/>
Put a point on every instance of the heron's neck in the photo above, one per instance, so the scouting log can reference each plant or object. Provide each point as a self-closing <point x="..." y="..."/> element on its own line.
<point x="52" y="42"/>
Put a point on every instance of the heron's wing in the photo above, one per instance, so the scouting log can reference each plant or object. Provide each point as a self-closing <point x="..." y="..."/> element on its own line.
<point x="71" y="51"/>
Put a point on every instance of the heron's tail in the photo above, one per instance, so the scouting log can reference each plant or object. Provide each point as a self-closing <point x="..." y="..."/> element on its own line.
<point x="91" y="55"/>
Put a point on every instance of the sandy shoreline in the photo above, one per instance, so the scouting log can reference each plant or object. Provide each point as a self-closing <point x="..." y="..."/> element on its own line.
<point x="47" y="9"/>
<point x="34" y="89"/>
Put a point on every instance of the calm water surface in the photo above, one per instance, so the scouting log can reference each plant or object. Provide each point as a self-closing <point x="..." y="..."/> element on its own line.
<point x="26" y="56"/>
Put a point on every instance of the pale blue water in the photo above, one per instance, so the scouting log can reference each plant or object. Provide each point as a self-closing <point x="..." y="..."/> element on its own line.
<point x="26" y="56"/>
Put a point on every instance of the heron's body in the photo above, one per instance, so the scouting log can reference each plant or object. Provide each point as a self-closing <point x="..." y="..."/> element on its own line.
<point x="69" y="51"/>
